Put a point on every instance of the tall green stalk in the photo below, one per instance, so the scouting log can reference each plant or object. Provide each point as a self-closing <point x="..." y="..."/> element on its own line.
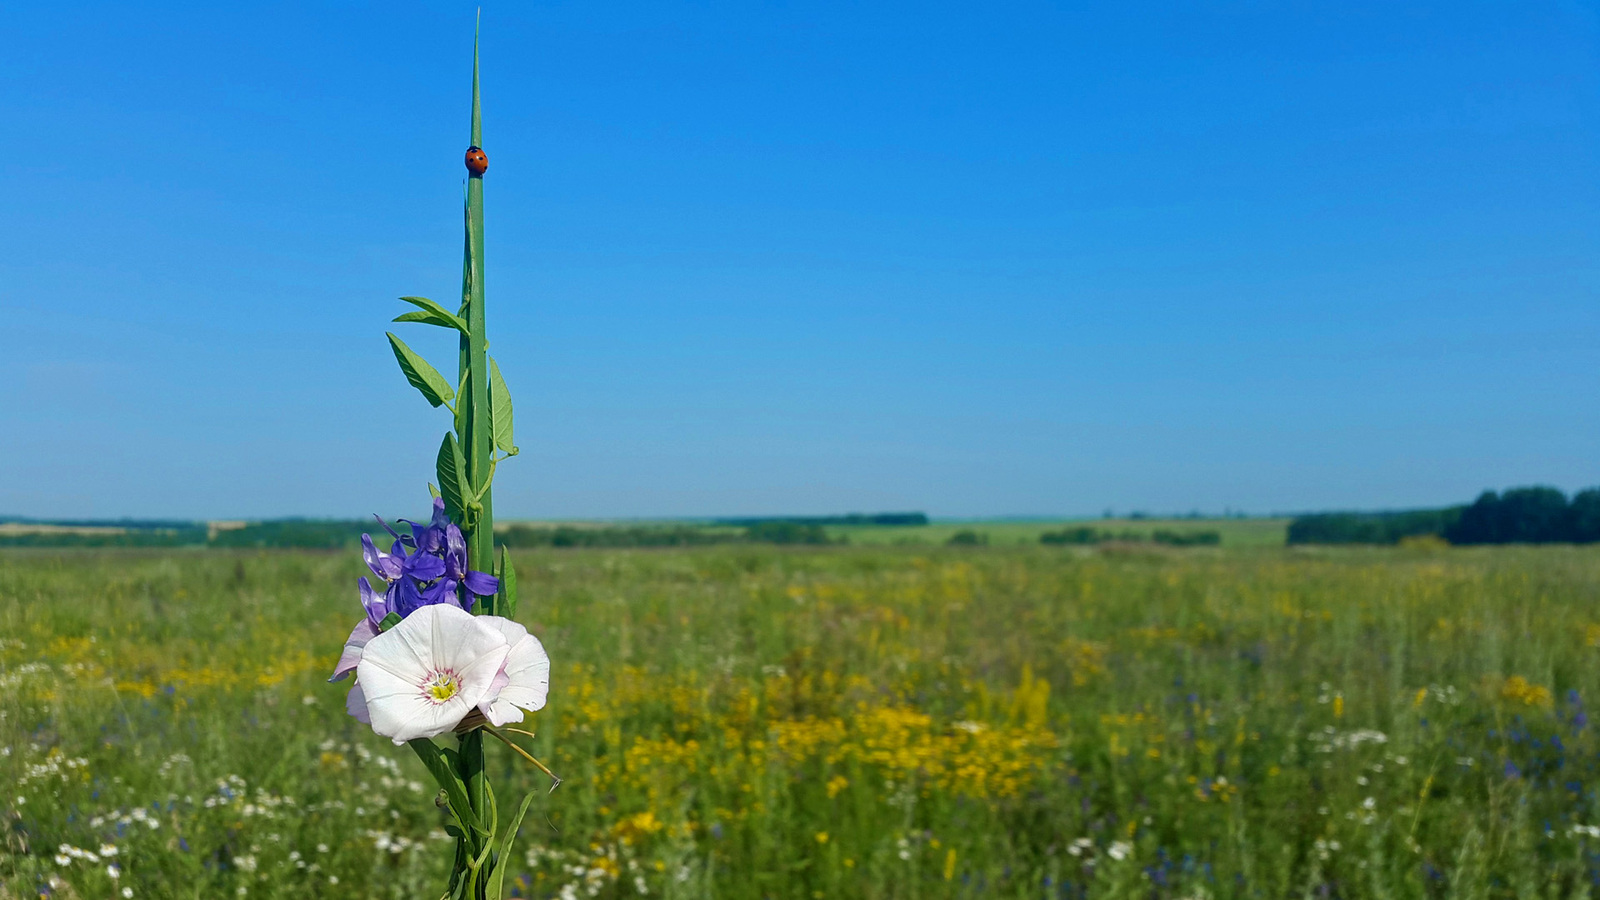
<point x="466" y="466"/>
<point x="476" y="436"/>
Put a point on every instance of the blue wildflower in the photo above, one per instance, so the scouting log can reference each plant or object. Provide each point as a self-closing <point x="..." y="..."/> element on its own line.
<point x="423" y="568"/>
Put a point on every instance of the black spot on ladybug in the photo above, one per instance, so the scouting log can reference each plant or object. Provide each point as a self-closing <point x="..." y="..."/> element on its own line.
<point x="477" y="162"/>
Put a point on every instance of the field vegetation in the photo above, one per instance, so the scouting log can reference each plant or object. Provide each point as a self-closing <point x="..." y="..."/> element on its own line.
<point x="1016" y="720"/>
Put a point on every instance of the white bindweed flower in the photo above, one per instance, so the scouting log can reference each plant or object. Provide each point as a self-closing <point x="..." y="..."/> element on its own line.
<point x="421" y="677"/>
<point x="524" y="681"/>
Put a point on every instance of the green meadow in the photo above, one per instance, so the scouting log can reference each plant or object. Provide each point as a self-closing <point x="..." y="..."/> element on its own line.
<point x="868" y="720"/>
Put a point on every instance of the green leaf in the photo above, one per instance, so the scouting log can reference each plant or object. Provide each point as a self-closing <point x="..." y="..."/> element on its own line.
<point x="493" y="823"/>
<point x="507" y="604"/>
<point x="432" y="314"/>
<point x="452" y="478"/>
<point x="433" y="492"/>
<point x="464" y="408"/>
<point x="426" y="318"/>
<point x="446" y="778"/>
<point x="500" y="408"/>
<point x="497" y="881"/>
<point x="389" y="621"/>
<point x="422" y="376"/>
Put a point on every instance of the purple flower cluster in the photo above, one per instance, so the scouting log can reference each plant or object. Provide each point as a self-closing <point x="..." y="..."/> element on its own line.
<point x="422" y="568"/>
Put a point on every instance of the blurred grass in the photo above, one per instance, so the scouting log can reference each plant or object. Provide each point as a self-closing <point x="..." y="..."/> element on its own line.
<point x="863" y="721"/>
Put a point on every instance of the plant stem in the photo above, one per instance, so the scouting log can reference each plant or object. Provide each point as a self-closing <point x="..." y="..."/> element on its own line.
<point x="477" y="441"/>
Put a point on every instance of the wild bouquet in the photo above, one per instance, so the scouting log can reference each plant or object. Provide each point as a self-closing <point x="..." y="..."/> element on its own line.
<point x="438" y="651"/>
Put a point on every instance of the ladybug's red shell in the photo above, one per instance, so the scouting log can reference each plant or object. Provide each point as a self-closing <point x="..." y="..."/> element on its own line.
<point x="477" y="162"/>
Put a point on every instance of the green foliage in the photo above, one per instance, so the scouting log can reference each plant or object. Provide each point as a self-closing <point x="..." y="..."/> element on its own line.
<point x="1370" y="528"/>
<point x="1186" y="538"/>
<point x="102" y="535"/>
<point x="1529" y="515"/>
<point x="506" y="604"/>
<point x="968" y="538"/>
<point x="308" y="534"/>
<point x="889" y="520"/>
<point x="1081" y="534"/>
<point x="1084" y="534"/>
<point x="786" y="531"/>
<point x="749" y="722"/>
<point x="422" y="375"/>
<point x="500" y="409"/>
<point x="431" y="313"/>
<point x="611" y="536"/>
<point x="452" y="472"/>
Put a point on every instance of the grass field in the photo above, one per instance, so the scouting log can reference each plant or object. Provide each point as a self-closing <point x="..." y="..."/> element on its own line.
<point x="862" y="721"/>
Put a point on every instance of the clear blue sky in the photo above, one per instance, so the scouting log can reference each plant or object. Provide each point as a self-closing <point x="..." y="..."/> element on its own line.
<point x="975" y="259"/>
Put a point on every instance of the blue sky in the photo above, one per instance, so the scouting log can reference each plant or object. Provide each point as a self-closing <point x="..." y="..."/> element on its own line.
<point x="978" y="259"/>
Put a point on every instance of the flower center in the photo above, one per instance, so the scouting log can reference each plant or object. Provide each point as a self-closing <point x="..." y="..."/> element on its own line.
<point x="442" y="686"/>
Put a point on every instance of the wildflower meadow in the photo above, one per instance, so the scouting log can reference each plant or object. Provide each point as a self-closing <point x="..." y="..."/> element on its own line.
<point x="838" y="721"/>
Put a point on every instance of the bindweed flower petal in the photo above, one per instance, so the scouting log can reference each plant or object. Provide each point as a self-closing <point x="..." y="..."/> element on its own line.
<point x="364" y="632"/>
<point x="421" y="677"/>
<point x="523" y="681"/>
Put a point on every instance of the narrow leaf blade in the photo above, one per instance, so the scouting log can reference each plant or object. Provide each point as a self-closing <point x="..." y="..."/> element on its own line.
<point x="500" y="408"/>
<point x="497" y="882"/>
<point x="424" y="377"/>
<point x="452" y="470"/>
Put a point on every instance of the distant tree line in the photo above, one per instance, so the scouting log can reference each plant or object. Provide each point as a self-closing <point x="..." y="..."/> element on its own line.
<point x="163" y="537"/>
<point x="1084" y="534"/>
<point x="335" y="534"/>
<point x="1530" y="515"/>
<point x="770" y="532"/>
<point x="304" y="534"/>
<point x="1371" y="528"/>
<point x="612" y="536"/>
<point x="1524" y="515"/>
<point x="894" y="520"/>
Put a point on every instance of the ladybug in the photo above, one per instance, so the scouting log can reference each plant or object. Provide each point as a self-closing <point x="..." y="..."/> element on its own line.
<point x="477" y="162"/>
